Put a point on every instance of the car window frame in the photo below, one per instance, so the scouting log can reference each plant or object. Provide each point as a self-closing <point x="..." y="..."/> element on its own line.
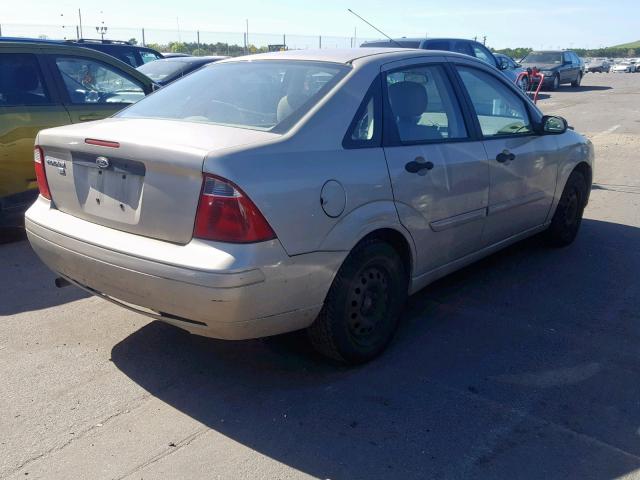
<point x="391" y="136"/>
<point x="532" y="111"/>
<point x="374" y="92"/>
<point x="48" y="83"/>
<point x="65" y="97"/>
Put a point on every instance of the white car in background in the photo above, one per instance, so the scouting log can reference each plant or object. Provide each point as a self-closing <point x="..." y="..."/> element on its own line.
<point x="624" y="67"/>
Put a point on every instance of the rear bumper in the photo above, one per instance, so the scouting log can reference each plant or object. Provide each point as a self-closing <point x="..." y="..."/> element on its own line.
<point x="211" y="289"/>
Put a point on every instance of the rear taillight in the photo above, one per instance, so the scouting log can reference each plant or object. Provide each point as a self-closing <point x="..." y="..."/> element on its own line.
<point x="41" y="175"/>
<point x="226" y="214"/>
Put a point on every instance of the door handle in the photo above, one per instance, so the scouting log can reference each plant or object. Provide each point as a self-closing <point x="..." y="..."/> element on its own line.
<point x="89" y="117"/>
<point x="505" y="156"/>
<point x="419" y="166"/>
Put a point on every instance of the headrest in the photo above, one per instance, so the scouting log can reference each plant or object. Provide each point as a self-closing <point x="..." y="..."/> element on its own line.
<point x="408" y="99"/>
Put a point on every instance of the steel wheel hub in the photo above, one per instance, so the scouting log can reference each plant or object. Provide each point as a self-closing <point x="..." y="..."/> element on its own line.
<point x="367" y="302"/>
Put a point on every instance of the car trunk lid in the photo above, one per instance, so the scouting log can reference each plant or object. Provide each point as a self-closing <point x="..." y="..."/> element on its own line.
<point x="136" y="175"/>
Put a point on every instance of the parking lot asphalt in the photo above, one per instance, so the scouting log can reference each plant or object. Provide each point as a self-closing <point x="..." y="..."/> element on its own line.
<point x="524" y="365"/>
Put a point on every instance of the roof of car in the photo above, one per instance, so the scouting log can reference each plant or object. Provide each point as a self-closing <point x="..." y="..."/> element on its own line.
<point x="343" y="55"/>
<point x="192" y="59"/>
<point x="80" y="43"/>
<point x="416" y="39"/>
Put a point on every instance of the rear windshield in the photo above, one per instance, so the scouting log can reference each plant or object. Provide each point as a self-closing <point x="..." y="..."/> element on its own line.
<point x="160" y="69"/>
<point x="259" y="95"/>
<point x="543" y="57"/>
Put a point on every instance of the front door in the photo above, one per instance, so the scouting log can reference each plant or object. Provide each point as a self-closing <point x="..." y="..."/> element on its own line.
<point x="523" y="164"/>
<point x="440" y="177"/>
<point x="94" y="90"/>
<point x="27" y="105"/>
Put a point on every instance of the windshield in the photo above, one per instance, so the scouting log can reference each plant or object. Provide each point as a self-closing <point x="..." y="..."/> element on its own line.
<point x="258" y="95"/>
<point x="543" y="57"/>
<point x="160" y="70"/>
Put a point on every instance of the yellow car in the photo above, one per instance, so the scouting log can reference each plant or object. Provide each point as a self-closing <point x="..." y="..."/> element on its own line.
<point x="44" y="84"/>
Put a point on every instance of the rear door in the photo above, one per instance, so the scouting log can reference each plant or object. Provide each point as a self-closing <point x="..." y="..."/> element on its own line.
<point x="523" y="164"/>
<point x="28" y="103"/>
<point x="93" y="89"/>
<point x="439" y="172"/>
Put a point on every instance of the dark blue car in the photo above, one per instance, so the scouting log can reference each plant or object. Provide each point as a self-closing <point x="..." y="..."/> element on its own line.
<point x="168" y="70"/>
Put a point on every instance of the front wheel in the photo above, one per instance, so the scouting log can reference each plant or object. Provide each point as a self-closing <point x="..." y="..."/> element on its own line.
<point x="361" y="312"/>
<point x="556" y="82"/>
<point x="568" y="216"/>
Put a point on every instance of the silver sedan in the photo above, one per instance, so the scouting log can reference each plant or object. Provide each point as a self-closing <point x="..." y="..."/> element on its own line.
<point x="304" y="190"/>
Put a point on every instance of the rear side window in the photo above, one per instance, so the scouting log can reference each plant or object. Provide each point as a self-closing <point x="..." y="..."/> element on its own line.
<point x="21" y="81"/>
<point x="91" y="81"/>
<point x="438" y="45"/>
<point x="463" y="47"/>
<point x="423" y="105"/>
<point x="366" y="128"/>
<point x="148" y="56"/>
<point x="500" y="111"/>
<point x="483" y="54"/>
<point x="260" y="95"/>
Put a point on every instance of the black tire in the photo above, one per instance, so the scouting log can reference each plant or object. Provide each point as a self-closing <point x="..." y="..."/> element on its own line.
<point x="568" y="216"/>
<point x="362" y="309"/>
<point x="577" y="81"/>
<point x="556" y="83"/>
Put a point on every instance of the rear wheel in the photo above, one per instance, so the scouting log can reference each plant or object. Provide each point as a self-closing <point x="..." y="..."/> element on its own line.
<point x="577" y="81"/>
<point x="361" y="312"/>
<point x="568" y="216"/>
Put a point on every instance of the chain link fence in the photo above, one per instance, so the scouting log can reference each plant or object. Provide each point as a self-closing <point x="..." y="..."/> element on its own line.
<point x="199" y="42"/>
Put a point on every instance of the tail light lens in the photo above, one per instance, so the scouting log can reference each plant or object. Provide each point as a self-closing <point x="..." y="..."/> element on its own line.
<point x="41" y="175"/>
<point x="226" y="214"/>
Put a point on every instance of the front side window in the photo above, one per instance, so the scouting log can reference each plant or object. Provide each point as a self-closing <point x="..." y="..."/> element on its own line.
<point x="21" y="81"/>
<point x="500" y="111"/>
<point x="91" y="81"/>
<point x="423" y="105"/>
<point x="260" y="95"/>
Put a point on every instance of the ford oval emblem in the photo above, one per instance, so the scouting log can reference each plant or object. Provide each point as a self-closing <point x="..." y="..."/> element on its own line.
<point x="102" y="162"/>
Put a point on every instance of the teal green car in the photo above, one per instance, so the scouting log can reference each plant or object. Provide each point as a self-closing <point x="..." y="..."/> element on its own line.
<point x="45" y="84"/>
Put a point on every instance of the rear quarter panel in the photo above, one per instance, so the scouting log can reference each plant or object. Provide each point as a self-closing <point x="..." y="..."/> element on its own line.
<point x="285" y="178"/>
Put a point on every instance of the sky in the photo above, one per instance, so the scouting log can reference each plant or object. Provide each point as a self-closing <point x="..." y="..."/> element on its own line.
<point x="536" y="24"/>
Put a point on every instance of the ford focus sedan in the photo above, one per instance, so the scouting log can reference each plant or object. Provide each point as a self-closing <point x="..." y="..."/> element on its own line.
<point x="304" y="190"/>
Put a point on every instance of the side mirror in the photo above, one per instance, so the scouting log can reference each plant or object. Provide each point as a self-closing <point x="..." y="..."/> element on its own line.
<point x="554" y="125"/>
<point x="502" y="64"/>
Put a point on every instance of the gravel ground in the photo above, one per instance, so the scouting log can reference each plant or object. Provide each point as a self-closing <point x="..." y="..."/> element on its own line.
<point x="524" y="365"/>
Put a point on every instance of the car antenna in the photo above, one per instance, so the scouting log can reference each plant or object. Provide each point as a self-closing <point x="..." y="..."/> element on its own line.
<point x="374" y="27"/>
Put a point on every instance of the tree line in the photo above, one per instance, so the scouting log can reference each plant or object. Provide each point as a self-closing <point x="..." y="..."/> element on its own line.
<point x="234" y="50"/>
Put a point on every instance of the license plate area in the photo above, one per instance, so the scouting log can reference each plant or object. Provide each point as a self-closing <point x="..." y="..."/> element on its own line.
<point x="112" y="191"/>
